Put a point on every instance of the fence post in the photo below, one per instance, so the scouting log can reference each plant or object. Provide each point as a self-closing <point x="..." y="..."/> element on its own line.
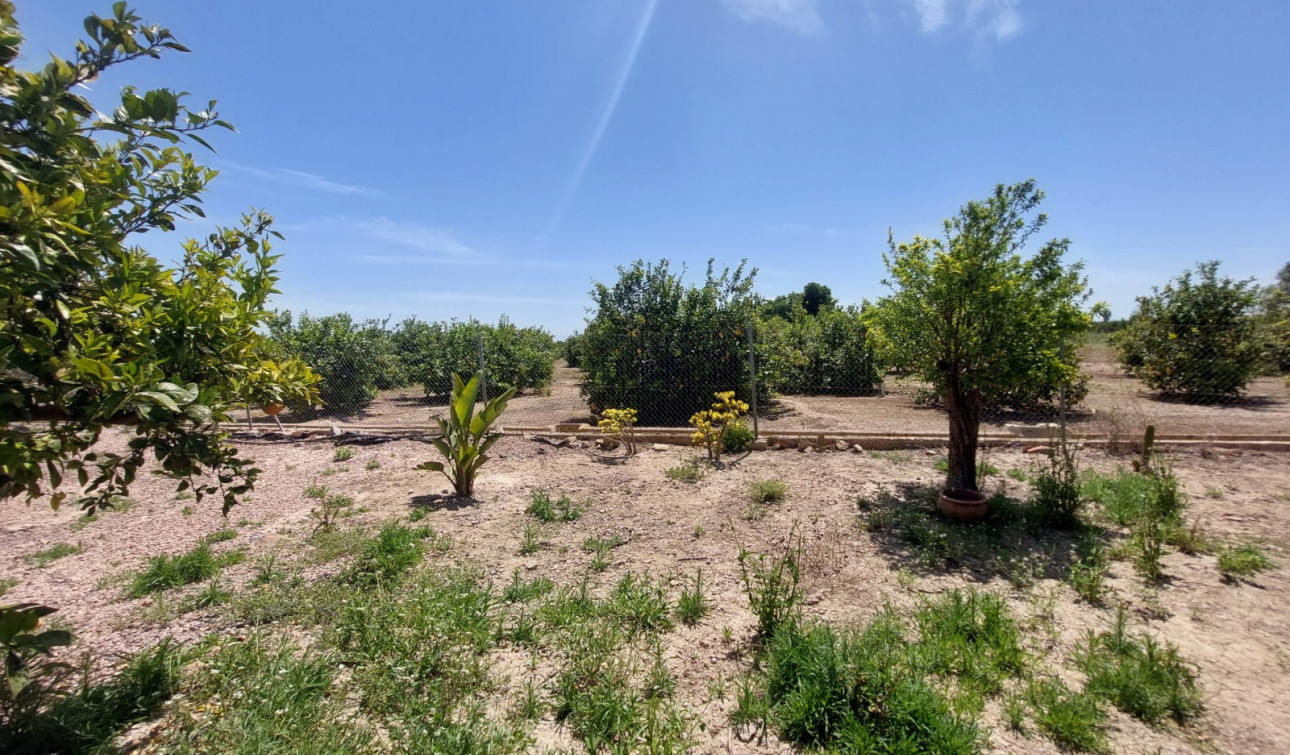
<point x="1061" y="398"/>
<point x="483" y="379"/>
<point x="752" y="377"/>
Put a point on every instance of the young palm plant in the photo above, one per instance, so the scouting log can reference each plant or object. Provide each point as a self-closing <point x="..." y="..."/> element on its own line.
<point x="465" y="436"/>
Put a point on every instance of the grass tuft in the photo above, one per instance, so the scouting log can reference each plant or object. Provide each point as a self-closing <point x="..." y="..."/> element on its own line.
<point x="166" y="572"/>
<point x="693" y="604"/>
<point x="688" y="471"/>
<point x="1243" y="561"/>
<point x="544" y="509"/>
<point x="47" y="556"/>
<point x="1138" y="674"/>
<point x="768" y="491"/>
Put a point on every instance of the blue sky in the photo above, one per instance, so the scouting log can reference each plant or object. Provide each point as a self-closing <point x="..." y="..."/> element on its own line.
<point x="455" y="159"/>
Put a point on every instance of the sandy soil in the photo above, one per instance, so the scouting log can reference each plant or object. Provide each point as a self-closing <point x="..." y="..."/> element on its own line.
<point x="1115" y="404"/>
<point x="1236" y="634"/>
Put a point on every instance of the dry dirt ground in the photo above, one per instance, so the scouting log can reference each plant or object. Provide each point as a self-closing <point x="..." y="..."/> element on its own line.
<point x="1238" y="634"/>
<point x="1115" y="404"/>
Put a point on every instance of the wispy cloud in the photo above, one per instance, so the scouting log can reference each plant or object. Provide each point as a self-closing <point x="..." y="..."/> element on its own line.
<point x="438" y="244"/>
<point x="996" y="19"/>
<point x="606" y="115"/>
<point x="299" y="179"/>
<point x="800" y="16"/>
<point x="454" y="296"/>
<point x="803" y="228"/>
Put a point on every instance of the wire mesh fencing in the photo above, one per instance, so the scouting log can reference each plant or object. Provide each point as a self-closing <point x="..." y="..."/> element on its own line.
<point x="818" y="375"/>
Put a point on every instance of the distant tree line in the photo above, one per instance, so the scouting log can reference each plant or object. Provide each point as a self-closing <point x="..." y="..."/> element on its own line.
<point x="357" y="359"/>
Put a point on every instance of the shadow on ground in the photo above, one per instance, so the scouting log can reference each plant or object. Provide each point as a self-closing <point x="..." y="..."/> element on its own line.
<point x="1012" y="543"/>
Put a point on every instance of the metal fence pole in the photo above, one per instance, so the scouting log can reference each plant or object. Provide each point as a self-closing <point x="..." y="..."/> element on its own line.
<point x="752" y="377"/>
<point x="483" y="379"/>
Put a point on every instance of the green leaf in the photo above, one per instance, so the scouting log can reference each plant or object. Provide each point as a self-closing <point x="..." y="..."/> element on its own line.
<point x="159" y="398"/>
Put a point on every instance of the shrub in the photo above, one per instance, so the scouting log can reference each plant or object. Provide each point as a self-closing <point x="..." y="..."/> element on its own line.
<point x="737" y="437"/>
<point x="710" y="425"/>
<point x="1058" y="498"/>
<point x="619" y="425"/>
<point x="571" y="350"/>
<point x="1194" y="339"/>
<point x="354" y="359"/>
<point x="664" y="347"/>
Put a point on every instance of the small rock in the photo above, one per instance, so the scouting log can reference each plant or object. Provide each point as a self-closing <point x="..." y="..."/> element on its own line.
<point x="758" y="445"/>
<point x="530" y="565"/>
<point x="815" y="598"/>
<point x="841" y="445"/>
<point x="660" y="446"/>
<point x="803" y="443"/>
<point x="856" y="449"/>
<point x="807" y="450"/>
<point x="335" y="432"/>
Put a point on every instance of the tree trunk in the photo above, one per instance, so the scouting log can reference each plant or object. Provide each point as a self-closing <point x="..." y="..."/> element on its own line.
<point x="965" y="422"/>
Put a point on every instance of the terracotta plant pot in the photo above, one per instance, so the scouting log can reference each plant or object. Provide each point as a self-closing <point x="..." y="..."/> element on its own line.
<point x="273" y="410"/>
<point x="963" y="505"/>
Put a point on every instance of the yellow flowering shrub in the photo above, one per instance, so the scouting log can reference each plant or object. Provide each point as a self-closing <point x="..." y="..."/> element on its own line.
<point x="710" y="424"/>
<point x="620" y="425"/>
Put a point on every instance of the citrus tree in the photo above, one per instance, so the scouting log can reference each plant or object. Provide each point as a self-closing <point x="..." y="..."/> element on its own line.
<point x="96" y="331"/>
<point x="1197" y="338"/>
<point x="971" y="313"/>
<point x="662" y="346"/>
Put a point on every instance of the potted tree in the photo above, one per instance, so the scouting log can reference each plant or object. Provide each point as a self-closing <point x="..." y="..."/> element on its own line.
<point x="975" y="318"/>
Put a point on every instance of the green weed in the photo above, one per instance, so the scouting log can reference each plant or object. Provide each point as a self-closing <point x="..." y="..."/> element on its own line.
<point x="688" y="471"/>
<point x="47" y="556"/>
<point x="768" y="491"/>
<point x="1243" y="561"/>
<point x="388" y="556"/>
<point x="166" y="572"/>
<point x="772" y="584"/>
<point x="70" y="709"/>
<point x="1139" y="675"/>
<point x="520" y="591"/>
<point x="532" y="540"/>
<point x="544" y="509"/>
<point x="1074" y="721"/>
<point x="693" y="604"/>
<point x="343" y="453"/>
<point x="854" y="692"/>
<point x="970" y="635"/>
<point x="219" y="536"/>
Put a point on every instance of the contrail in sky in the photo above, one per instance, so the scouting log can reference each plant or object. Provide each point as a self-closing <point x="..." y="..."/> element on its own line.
<point x="624" y="73"/>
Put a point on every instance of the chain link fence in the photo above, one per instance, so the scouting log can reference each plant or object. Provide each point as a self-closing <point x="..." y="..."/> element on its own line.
<point x="817" y="374"/>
